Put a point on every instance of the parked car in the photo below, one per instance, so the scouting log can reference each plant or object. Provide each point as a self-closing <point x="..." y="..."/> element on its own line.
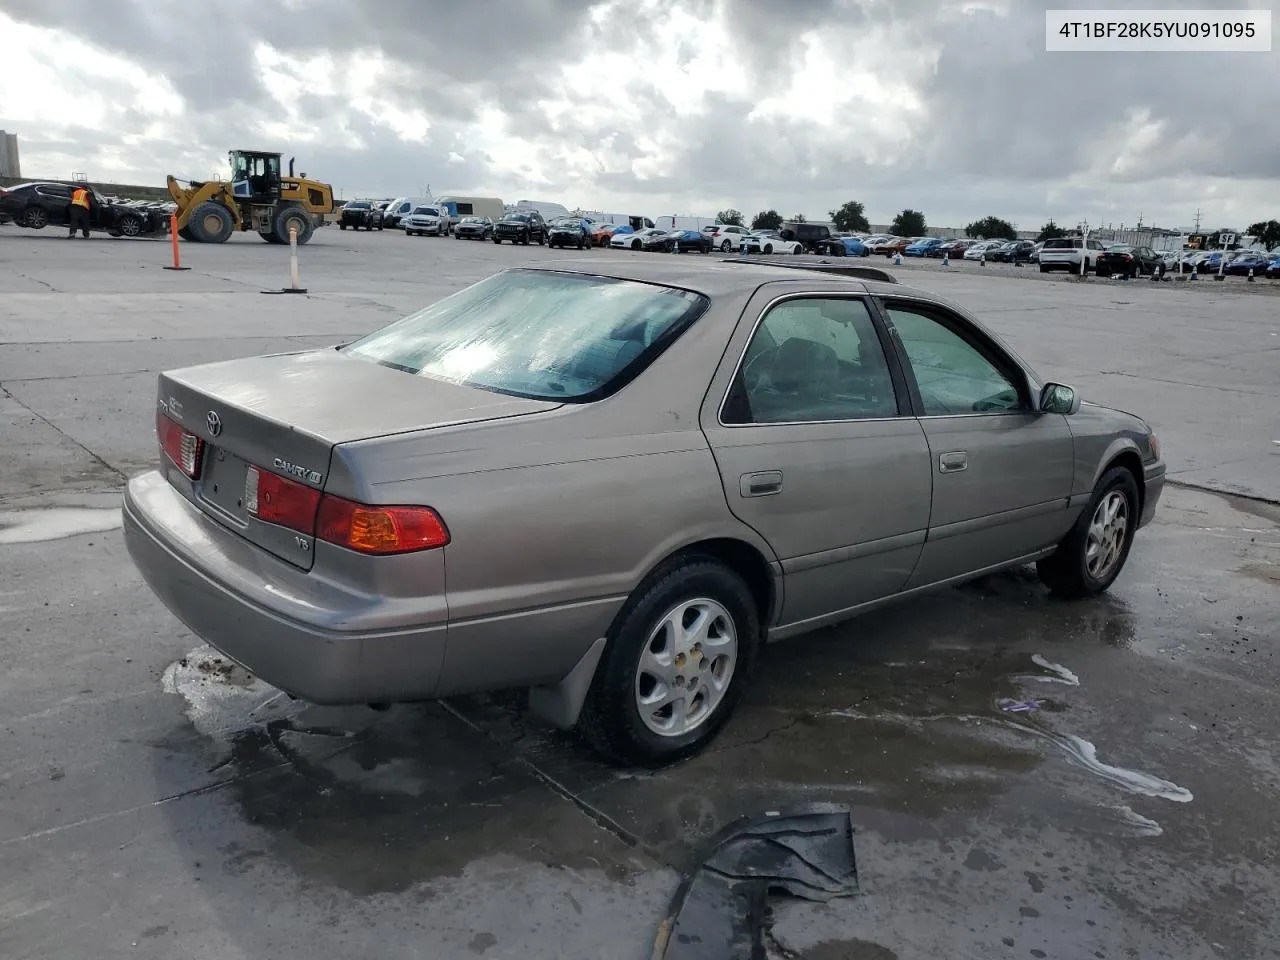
<point x="1064" y="253"/>
<point x="950" y="248"/>
<point x="1035" y="251"/>
<point x="650" y="238"/>
<point x="839" y="246"/>
<point x="881" y="247"/>
<point x="525" y="227"/>
<point x="769" y="242"/>
<point x="895" y="247"/>
<point x="1012" y="251"/>
<point x="601" y="232"/>
<point x="396" y="211"/>
<point x="1248" y="260"/>
<point x="690" y="241"/>
<point x="360" y="213"/>
<point x="726" y="236"/>
<point x="569" y="232"/>
<point x="40" y="204"/>
<point x="305" y="505"/>
<point x="982" y="249"/>
<point x="922" y="247"/>
<point x="474" y="228"/>
<point x="426" y="220"/>
<point x="1273" y="267"/>
<point x="813" y="237"/>
<point x="1128" y="261"/>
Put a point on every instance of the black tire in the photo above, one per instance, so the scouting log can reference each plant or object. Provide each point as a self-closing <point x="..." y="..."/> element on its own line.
<point x="270" y="237"/>
<point x="35" y="218"/>
<point x="610" y="720"/>
<point x="211" y="223"/>
<point x="636" y="244"/>
<point x="498" y="241"/>
<point x="456" y="236"/>
<point x="296" y="217"/>
<point x="1044" y="268"/>
<point x="726" y="247"/>
<point x="342" y="226"/>
<point x="580" y="244"/>
<point x="542" y="239"/>
<point x="1065" y="572"/>
<point x="130" y="225"/>
<point x="185" y="233"/>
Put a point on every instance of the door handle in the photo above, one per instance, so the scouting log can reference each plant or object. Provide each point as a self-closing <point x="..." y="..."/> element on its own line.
<point x="763" y="484"/>
<point x="953" y="462"/>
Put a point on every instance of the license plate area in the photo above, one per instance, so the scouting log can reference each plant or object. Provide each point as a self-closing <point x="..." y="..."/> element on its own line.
<point x="222" y="486"/>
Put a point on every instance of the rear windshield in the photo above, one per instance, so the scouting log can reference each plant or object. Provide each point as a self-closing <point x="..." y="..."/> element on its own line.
<point x="1061" y="243"/>
<point x="538" y="334"/>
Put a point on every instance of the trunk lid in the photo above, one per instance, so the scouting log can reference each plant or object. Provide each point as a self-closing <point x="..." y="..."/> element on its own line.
<point x="284" y="414"/>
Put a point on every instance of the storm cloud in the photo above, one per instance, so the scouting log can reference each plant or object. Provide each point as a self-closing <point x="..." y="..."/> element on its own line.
<point x="657" y="105"/>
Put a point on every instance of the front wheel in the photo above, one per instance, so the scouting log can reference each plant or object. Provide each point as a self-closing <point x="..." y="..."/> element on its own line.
<point x="498" y="241"/>
<point x="1093" y="553"/>
<point x="678" y="660"/>
<point x="726" y="247"/>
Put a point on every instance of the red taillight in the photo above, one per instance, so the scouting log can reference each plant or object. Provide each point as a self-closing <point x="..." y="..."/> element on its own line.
<point x="379" y="530"/>
<point x="366" y="529"/>
<point x="274" y="499"/>
<point x="181" y="446"/>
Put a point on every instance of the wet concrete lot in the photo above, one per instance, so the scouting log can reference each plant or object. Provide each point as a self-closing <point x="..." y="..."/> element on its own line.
<point x="157" y="802"/>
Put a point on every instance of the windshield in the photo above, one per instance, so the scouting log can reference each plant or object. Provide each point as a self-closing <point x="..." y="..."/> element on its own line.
<point x="539" y="334"/>
<point x="358" y="205"/>
<point x="426" y="211"/>
<point x="473" y="220"/>
<point x="522" y="217"/>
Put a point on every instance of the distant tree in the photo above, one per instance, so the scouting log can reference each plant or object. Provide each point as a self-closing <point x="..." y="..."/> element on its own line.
<point x="799" y="218"/>
<point x="1267" y="233"/>
<point x="730" y="216"/>
<point x="991" y="228"/>
<point x="909" y="223"/>
<point x="766" y="220"/>
<point x="850" y="216"/>
<point x="1050" y="231"/>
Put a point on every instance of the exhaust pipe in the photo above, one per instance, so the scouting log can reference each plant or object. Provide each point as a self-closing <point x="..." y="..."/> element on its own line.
<point x="291" y="166"/>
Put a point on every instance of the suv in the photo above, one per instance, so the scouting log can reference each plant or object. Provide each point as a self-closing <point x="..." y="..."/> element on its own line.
<point x="726" y="236"/>
<point x="814" y="237"/>
<point x="360" y="213"/>
<point x="521" y="227"/>
<point x="1063" y="253"/>
<point x="425" y="221"/>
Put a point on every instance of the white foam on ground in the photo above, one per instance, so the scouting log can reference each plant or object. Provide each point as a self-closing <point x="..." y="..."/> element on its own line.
<point x="223" y="698"/>
<point x="56" y="523"/>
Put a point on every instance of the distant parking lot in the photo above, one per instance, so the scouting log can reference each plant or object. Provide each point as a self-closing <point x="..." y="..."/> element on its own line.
<point x="155" y="801"/>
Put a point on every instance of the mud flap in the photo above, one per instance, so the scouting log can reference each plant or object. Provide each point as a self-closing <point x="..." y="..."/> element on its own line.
<point x="721" y="910"/>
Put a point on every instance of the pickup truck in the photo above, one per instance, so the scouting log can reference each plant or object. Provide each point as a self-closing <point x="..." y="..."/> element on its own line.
<point x="1063" y="253"/>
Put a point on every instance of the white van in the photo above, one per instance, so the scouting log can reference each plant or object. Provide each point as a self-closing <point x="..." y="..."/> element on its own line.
<point x="684" y="223"/>
<point x="636" y="221"/>
<point x="460" y="207"/>
<point x="549" y="211"/>
<point x="399" y="208"/>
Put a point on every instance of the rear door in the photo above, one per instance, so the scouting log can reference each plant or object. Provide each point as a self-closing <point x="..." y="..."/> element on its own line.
<point x="1002" y="471"/>
<point x="818" y="451"/>
<point x="55" y="198"/>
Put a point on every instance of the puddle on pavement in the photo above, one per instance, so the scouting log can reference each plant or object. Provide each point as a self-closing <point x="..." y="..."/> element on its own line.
<point x="375" y="802"/>
<point x="56" y="523"/>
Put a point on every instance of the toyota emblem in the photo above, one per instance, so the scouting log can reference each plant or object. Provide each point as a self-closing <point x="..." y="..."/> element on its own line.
<point x="214" y="423"/>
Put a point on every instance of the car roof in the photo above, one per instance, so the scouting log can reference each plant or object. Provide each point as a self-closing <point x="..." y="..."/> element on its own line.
<point x="727" y="277"/>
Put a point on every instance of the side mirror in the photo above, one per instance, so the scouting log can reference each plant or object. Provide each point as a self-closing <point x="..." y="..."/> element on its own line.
<point x="1059" y="398"/>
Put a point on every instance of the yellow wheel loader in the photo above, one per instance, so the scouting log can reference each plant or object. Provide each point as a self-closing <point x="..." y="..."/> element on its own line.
<point x="256" y="198"/>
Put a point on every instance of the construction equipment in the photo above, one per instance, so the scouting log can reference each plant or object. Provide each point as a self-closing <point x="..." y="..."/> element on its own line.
<point x="256" y="198"/>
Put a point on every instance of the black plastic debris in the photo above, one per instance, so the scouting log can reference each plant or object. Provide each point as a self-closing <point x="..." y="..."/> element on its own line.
<point x="721" y="910"/>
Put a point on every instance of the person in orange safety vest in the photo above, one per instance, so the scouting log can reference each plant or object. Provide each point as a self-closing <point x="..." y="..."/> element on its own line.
<point x="79" y="212"/>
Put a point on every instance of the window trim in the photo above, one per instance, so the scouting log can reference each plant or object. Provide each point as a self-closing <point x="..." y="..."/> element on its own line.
<point x="971" y="335"/>
<point x="901" y="387"/>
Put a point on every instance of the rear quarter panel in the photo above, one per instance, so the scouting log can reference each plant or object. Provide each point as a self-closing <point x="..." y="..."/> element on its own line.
<point x="554" y="519"/>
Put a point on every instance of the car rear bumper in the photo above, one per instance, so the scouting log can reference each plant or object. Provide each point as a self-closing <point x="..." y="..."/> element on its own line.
<point x="275" y="620"/>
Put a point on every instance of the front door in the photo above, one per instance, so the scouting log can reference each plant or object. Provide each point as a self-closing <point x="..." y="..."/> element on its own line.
<point x="819" y="453"/>
<point x="1002" y="471"/>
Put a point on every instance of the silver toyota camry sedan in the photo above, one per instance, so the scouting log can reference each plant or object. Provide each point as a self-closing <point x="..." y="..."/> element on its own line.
<point x="612" y="488"/>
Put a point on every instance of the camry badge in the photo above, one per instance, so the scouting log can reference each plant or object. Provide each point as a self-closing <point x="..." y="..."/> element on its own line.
<point x="213" y="422"/>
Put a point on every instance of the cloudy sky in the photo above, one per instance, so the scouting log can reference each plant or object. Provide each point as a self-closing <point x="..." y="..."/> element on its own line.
<point x="653" y="106"/>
